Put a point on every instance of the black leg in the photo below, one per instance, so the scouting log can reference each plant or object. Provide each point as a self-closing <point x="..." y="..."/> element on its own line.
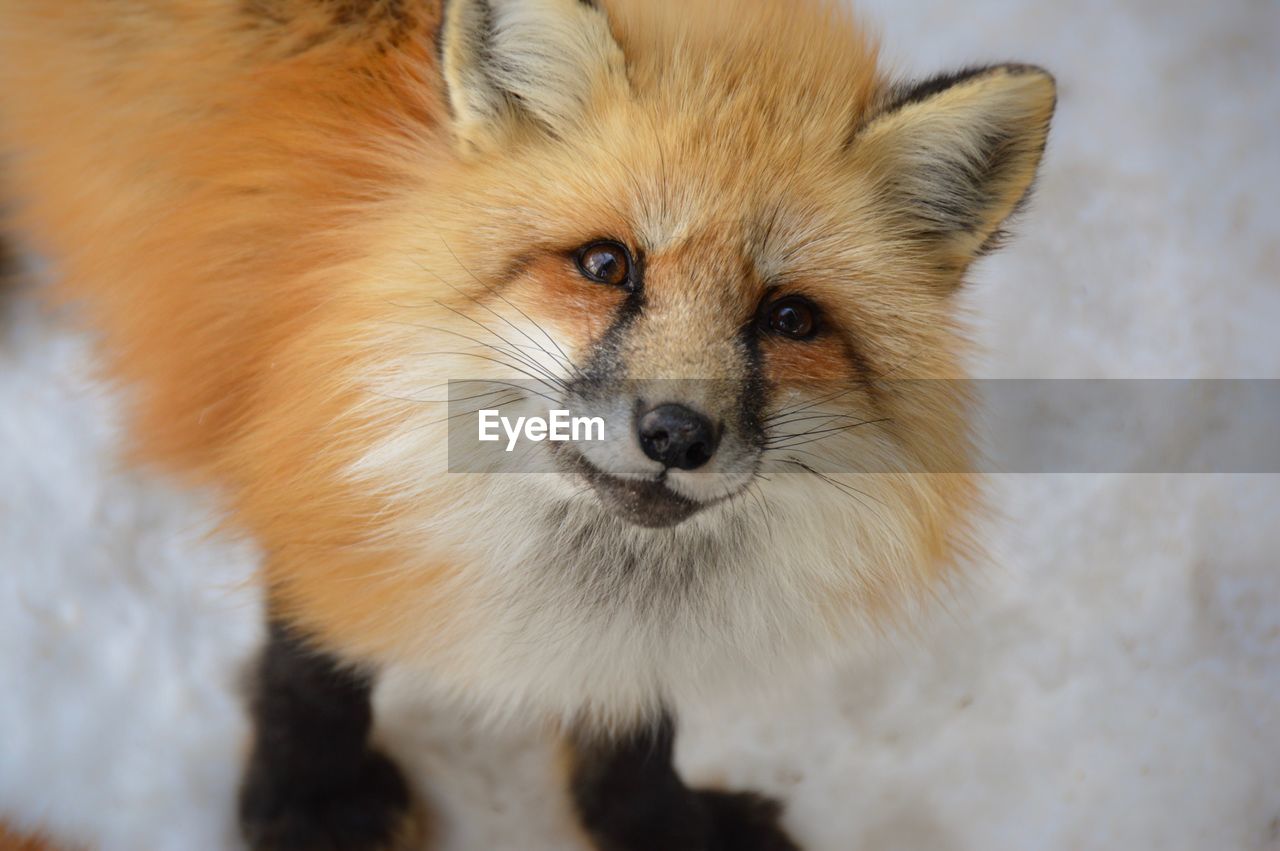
<point x="313" y="783"/>
<point x="630" y="798"/>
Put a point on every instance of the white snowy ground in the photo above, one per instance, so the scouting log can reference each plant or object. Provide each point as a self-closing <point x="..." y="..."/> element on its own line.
<point x="1112" y="681"/>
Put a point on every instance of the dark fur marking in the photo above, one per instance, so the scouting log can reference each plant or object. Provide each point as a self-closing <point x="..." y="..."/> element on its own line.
<point x="906" y="93"/>
<point x="8" y="259"/>
<point x="963" y="187"/>
<point x="605" y="360"/>
<point x="863" y="371"/>
<point x="630" y="798"/>
<point x="312" y="781"/>
<point x="921" y="90"/>
<point x="916" y="91"/>
<point x="755" y="390"/>
<point x="10" y="275"/>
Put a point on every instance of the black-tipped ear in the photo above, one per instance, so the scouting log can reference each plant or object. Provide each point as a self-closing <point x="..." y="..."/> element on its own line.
<point x="953" y="156"/>
<point x="512" y="64"/>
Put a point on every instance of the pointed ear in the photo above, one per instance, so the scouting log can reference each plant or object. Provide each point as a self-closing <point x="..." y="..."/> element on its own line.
<point x="517" y="65"/>
<point x="954" y="156"/>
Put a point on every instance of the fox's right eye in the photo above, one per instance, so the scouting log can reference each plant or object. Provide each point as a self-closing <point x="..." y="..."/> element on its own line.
<point x="605" y="263"/>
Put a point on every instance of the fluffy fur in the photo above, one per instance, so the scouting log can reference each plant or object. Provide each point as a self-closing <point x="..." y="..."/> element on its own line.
<point x="287" y="218"/>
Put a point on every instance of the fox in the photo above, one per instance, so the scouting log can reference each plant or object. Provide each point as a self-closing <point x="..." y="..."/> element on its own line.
<point x="298" y="230"/>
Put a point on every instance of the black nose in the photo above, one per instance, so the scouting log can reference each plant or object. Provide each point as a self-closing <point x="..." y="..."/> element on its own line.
<point x="677" y="436"/>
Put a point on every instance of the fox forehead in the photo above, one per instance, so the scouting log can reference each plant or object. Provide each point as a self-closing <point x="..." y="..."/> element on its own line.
<point x="788" y="66"/>
<point x="720" y="118"/>
<point x="690" y="199"/>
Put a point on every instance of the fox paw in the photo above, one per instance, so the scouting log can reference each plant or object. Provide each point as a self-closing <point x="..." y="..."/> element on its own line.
<point x="369" y="808"/>
<point x="745" y="821"/>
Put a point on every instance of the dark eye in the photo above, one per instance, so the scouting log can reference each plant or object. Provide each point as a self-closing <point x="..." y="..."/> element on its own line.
<point x="792" y="317"/>
<point x="605" y="263"/>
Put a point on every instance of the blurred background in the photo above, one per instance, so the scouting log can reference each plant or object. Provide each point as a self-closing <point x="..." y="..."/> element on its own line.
<point x="1111" y="678"/>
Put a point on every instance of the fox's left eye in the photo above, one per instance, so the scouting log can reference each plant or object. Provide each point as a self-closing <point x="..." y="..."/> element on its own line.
<point x="605" y="263"/>
<point x="792" y="317"/>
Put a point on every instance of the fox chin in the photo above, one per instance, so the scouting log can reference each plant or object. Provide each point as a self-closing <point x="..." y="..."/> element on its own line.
<point x="301" y="228"/>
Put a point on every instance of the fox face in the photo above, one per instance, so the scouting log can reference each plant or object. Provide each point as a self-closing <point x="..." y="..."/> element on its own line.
<point x="726" y="235"/>
<point x="709" y="213"/>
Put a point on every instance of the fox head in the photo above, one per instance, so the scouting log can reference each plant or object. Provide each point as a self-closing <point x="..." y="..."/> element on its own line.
<point x="719" y="228"/>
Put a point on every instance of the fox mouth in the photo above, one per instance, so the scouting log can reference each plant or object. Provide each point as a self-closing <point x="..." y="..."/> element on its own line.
<point x="644" y="502"/>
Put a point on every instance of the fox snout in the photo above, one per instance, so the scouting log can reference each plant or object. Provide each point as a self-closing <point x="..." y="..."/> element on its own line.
<point x="671" y="447"/>
<point x="677" y="436"/>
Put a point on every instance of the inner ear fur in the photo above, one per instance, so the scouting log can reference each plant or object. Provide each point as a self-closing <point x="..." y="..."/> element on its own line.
<point x="513" y="66"/>
<point x="954" y="156"/>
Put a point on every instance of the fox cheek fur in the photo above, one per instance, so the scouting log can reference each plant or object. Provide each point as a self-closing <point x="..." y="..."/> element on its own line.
<point x="293" y="240"/>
